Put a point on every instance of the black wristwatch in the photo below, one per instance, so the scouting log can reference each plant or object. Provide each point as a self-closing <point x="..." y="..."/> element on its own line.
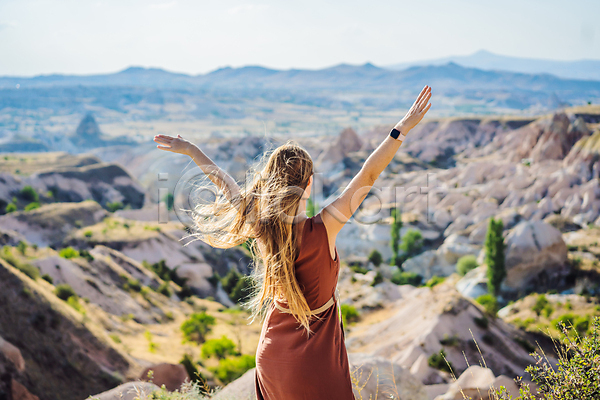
<point x="396" y="134"/>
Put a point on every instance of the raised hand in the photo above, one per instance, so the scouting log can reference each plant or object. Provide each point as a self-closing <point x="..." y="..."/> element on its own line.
<point x="416" y="112"/>
<point x="173" y="144"/>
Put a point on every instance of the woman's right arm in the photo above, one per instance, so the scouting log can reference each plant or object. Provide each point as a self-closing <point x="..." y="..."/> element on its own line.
<point x="341" y="210"/>
<point x="182" y="146"/>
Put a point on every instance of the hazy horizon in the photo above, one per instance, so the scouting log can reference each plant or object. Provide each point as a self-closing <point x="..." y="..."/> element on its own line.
<point x="196" y="38"/>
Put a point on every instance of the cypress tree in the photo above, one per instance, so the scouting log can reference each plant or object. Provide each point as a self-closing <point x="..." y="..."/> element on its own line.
<point x="395" y="237"/>
<point x="494" y="255"/>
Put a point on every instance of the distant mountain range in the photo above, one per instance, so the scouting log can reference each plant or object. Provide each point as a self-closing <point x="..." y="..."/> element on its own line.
<point x="482" y="59"/>
<point x="447" y="78"/>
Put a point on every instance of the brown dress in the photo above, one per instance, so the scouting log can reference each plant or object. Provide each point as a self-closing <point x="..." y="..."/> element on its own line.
<point x="290" y="366"/>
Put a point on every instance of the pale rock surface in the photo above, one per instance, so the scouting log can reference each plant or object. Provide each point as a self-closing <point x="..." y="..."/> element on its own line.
<point x="127" y="391"/>
<point x="532" y="248"/>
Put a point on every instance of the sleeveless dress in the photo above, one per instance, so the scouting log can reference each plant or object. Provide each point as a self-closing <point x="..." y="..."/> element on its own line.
<point x="290" y="366"/>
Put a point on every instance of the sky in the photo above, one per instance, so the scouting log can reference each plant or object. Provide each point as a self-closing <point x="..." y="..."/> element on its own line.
<point x="198" y="36"/>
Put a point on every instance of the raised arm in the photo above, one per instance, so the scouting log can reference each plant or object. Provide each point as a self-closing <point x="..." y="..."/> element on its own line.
<point x="341" y="210"/>
<point x="182" y="146"/>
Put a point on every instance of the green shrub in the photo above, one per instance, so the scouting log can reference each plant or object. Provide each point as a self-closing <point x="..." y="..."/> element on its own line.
<point x="466" y="264"/>
<point x="29" y="194"/>
<point x="231" y="368"/>
<point x="219" y="348"/>
<point x="375" y="258"/>
<point x="489" y="303"/>
<point x="48" y="278"/>
<point x="191" y="369"/>
<point x="567" y="320"/>
<point x="412" y="243"/>
<point x="64" y="291"/>
<point x="540" y="303"/>
<point x="406" y="278"/>
<point x="358" y="268"/>
<point x="482" y="322"/>
<point x="582" y="325"/>
<point x="576" y="375"/>
<point x="32" y="206"/>
<point x="133" y="285"/>
<point x="439" y="362"/>
<point x="22" y="247"/>
<point x="197" y="327"/>
<point x="230" y="280"/>
<point x="115" y="338"/>
<point x="435" y="280"/>
<point x="10" y="207"/>
<point x="68" y="253"/>
<point x="449" y="340"/>
<point x="377" y="279"/>
<point x="86" y="254"/>
<point x="88" y="234"/>
<point x="164" y="289"/>
<point x="112" y="207"/>
<point x="241" y="290"/>
<point x="349" y="314"/>
<point x="73" y="301"/>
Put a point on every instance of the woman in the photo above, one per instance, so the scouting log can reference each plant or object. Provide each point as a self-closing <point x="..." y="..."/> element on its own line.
<point x="301" y="354"/>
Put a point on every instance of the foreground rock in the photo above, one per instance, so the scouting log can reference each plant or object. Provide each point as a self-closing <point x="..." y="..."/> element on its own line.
<point x="172" y="376"/>
<point x="478" y="383"/>
<point x="127" y="391"/>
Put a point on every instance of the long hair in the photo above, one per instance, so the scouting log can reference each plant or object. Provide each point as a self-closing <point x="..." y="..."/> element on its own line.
<point x="262" y="215"/>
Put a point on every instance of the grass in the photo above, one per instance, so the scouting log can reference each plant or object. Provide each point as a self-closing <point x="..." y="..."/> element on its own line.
<point x="7" y="255"/>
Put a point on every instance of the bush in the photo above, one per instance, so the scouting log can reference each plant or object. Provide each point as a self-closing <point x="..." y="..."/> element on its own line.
<point x="88" y="234"/>
<point x="230" y="280"/>
<point x="349" y="314"/>
<point x="29" y="194"/>
<point x="241" y="290"/>
<point x="73" y="301"/>
<point x="540" y="303"/>
<point x="231" y="368"/>
<point x="164" y="289"/>
<point x="32" y="206"/>
<point x="68" y="253"/>
<point x="86" y="254"/>
<point x="112" y="207"/>
<point x="191" y="369"/>
<point x="377" y="279"/>
<point x="482" y="322"/>
<point x="466" y="264"/>
<point x="48" y="278"/>
<point x="412" y="242"/>
<point x="567" y="320"/>
<point x="10" y="207"/>
<point x="489" y="303"/>
<point x="358" y="268"/>
<point x="406" y="278"/>
<point x="22" y="247"/>
<point x="375" y="258"/>
<point x="575" y="376"/>
<point x="439" y="362"/>
<point x="197" y="327"/>
<point x="64" y="291"/>
<point x="435" y="280"/>
<point x="133" y="285"/>
<point x="219" y="348"/>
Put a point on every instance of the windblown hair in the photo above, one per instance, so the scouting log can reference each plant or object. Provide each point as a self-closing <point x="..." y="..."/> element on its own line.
<point x="262" y="215"/>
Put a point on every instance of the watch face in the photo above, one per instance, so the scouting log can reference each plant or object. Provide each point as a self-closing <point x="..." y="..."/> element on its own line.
<point x="395" y="133"/>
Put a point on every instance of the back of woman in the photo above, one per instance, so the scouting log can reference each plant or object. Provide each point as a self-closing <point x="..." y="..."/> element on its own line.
<point x="288" y="360"/>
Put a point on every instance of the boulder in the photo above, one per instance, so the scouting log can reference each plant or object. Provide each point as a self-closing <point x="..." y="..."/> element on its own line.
<point x="533" y="248"/>
<point x="376" y="377"/>
<point x="240" y="389"/>
<point x="474" y="283"/>
<point x="12" y="353"/>
<point x="170" y="375"/>
<point x="127" y="391"/>
<point x="478" y="383"/>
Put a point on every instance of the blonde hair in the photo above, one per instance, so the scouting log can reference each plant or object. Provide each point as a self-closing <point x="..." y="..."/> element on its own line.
<point x="264" y="211"/>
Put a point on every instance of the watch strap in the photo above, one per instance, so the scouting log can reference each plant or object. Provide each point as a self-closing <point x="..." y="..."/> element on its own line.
<point x="396" y="134"/>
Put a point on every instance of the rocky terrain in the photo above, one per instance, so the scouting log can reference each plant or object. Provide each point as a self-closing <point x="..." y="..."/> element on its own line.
<point x="91" y="222"/>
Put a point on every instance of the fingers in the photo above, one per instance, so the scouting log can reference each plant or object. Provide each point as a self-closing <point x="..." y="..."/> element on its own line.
<point x="424" y="101"/>
<point x="167" y="148"/>
<point x="426" y="108"/>
<point x="423" y="93"/>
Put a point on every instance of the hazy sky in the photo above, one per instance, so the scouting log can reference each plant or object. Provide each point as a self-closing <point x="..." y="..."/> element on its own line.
<point x="197" y="36"/>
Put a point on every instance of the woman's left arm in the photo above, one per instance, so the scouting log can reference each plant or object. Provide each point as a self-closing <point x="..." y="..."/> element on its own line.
<point x="182" y="146"/>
